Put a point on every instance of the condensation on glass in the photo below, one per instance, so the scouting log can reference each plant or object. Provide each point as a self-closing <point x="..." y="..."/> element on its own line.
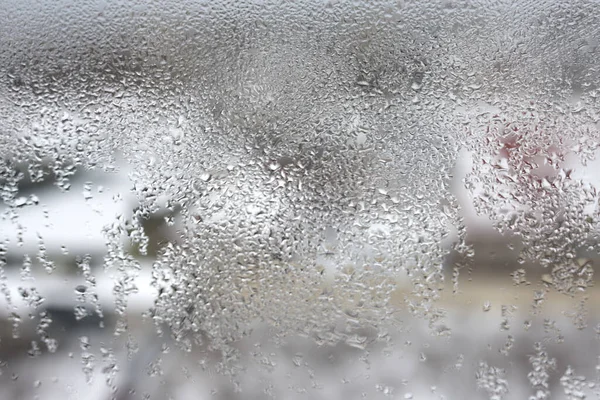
<point x="308" y="199"/>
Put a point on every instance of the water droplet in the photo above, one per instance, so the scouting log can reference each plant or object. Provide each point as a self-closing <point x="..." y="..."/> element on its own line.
<point x="487" y="306"/>
<point x="20" y="201"/>
<point x="80" y="288"/>
<point x="205" y="177"/>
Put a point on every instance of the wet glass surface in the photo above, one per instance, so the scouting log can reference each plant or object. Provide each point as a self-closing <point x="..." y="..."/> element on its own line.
<point x="311" y="199"/>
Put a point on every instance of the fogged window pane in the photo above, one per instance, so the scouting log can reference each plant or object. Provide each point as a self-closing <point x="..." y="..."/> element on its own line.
<point x="309" y="199"/>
